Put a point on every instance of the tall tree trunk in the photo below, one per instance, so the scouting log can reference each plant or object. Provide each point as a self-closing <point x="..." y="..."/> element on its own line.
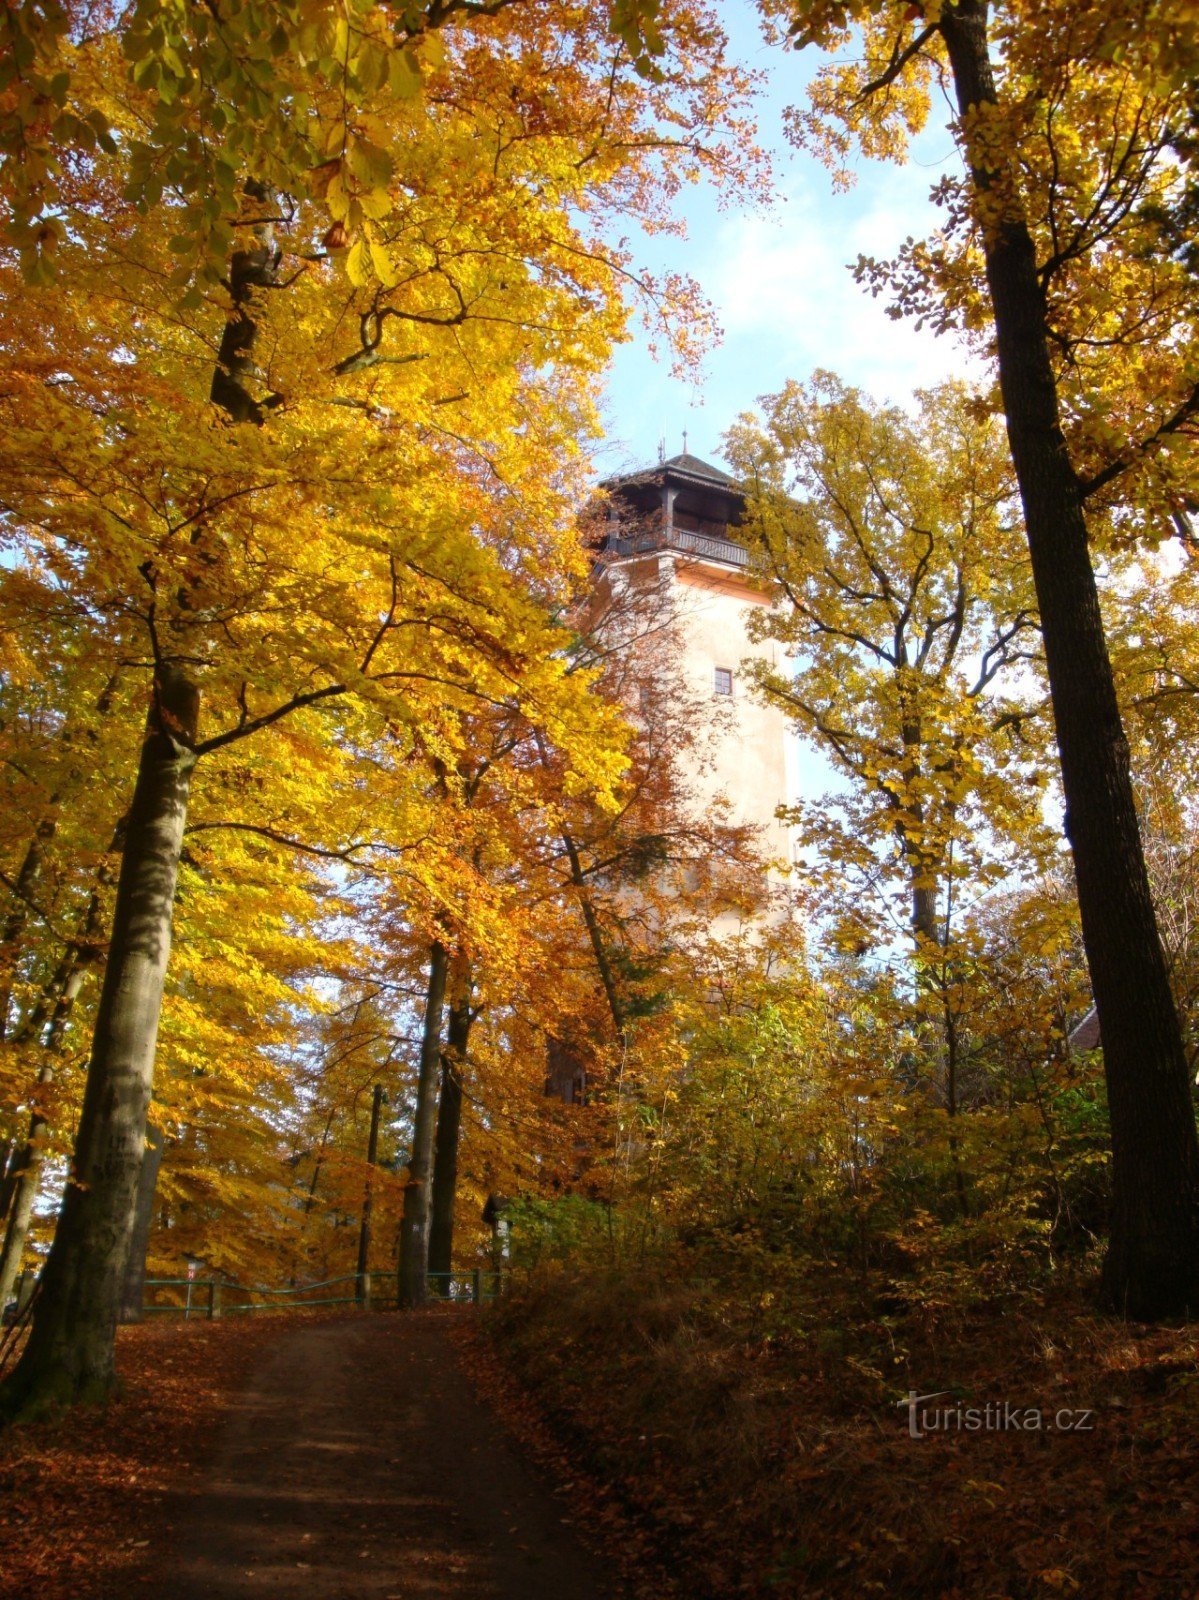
<point x="364" y="1230"/>
<point x="449" y="1127"/>
<point x="133" y="1287"/>
<point x="1152" y="1265"/>
<point x="909" y="830"/>
<point x="69" y="1355"/>
<point x="70" y="1352"/>
<point x="414" y="1224"/>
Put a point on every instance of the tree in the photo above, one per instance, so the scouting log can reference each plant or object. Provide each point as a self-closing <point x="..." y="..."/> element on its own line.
<point x="282" y="92"/>
<point x="449" y="1125"/>
<point x="905" y="607"/>
<point x="414" y="1225"/>
<point x="903" y="600"/>
<point x="330" y="538"/>
<point x="1054" y="236"/>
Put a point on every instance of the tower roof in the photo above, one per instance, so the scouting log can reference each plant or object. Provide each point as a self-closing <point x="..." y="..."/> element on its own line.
<point x="685" y="467"/>
<point x="692" y="467"/>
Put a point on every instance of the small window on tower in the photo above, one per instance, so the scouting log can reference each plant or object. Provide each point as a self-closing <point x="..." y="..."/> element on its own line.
<point x="723" y="680"/>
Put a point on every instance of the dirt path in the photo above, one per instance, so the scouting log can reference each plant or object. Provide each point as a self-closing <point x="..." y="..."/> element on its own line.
<point x="358" y="1465"/>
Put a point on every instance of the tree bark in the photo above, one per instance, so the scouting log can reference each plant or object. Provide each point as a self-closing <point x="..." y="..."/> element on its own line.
<point x="449" y="1127"/>
<point x="414" y="1224"/>
<point x="133" y="1287"/>
<point x="21" y="1214"/>
<point x="364" y="1230"/>
<point x="235" y="371"/>
<point x="69" y="1355"/>
<point x="1152" y="1265"/>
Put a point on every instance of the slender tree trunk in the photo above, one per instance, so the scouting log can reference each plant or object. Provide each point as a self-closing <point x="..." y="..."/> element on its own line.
<point x="414" y="1224"/>
<point x="56" y="1003"/>
<point x="909" y="830"/>
<point x="449" y="1127"/>
<point x="595" y="934"/>
<point x="372" y="1155"/>
<point x="16" y="1232"/>
<point x="235" y="373"/>
<point x="133" y="1289"/>
<point x="58" y="996"/>
<point x="924" y="913"/>
<point x="9" y="1152"/>
<point x="30" y="875"/>
<point x="951" y="1089"/>
<point x="27" y="1176"/>
<point x="1152" y="1265"/>
<point x="69" y="1355"/>
<point x="14" y="924"/>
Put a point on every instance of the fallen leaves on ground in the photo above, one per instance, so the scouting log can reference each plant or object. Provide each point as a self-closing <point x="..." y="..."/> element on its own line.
<point x="81" y="1497"/>
<point x="786" y="1467"/>
<point x="603" y="1518"/>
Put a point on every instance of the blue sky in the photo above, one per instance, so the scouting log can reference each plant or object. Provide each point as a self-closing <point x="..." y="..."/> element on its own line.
<point x="779" y="282"/>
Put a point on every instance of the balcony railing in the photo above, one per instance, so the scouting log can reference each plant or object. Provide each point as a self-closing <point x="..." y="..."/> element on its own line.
<point x="705" y="546"/>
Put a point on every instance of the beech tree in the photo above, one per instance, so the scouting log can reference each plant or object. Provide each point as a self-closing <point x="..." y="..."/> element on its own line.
<point x="305" y="512"/>
<point x="1071" y="121"/>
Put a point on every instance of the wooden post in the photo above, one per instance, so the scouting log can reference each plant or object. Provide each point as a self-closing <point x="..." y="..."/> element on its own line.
<point x="26" y="1284"/>
<point x="214" y="1299"/>
<point x="364" y="1290"/>
<point x="476" y="1285"/>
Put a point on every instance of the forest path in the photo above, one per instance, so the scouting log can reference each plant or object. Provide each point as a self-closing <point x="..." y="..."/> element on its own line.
<point x="358" y="1465"/>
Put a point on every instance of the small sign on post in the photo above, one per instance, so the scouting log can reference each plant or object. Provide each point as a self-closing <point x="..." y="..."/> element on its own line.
<point x="194" y="1263"/>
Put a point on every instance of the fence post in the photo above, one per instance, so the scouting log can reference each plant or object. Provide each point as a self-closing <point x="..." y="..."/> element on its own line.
<point x="476" y="1286"/>
<point x="214" y="1300"/>
<point x="364" y="1292"/>
<point x="26" y="1284"/>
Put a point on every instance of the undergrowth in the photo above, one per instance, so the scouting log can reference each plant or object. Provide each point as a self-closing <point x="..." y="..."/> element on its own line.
<point x="764" y="1441"/>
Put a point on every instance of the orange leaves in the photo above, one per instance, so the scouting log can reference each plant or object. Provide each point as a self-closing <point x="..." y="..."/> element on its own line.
<point x="89" y="1500"/>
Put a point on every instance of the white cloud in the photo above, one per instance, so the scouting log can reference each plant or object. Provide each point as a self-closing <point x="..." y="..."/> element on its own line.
<point x="788" y="302"/>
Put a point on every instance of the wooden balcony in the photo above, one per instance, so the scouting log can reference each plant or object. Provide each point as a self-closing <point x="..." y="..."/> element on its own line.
<point x="703" y="546"/>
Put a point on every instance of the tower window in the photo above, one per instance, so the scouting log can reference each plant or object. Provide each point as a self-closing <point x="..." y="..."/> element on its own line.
<point x="722" y="680"/>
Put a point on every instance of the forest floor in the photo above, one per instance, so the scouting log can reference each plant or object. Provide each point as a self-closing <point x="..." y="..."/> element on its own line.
<point x="762" y="1446"/>
<point x="443" y="1456"/>
<point x="328" y="1458"/>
